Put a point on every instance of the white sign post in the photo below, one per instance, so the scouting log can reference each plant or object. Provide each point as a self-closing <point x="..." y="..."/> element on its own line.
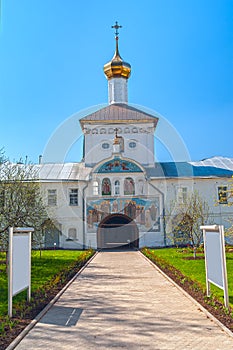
<point x="19" y="263"/>
<point x="215" y="259"/>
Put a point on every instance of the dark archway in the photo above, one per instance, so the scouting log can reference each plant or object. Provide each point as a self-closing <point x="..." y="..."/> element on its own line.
<point x="117" y="230"/>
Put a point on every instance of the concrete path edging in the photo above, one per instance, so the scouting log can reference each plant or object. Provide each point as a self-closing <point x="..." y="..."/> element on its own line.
<point x="32" y="324"/>
<point x="194" y="301"/>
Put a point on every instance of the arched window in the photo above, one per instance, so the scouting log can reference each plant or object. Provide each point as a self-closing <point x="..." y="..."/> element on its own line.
<point x="106" y="187"/>
<point x="129" y="187"/>
<point x="117" y="187"/>
<point x="95" y="188"/>
<point x="72" y="233"/>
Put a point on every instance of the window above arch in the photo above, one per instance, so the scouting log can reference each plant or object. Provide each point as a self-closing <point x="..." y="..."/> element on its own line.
<point x="117" y="187"/>
<point x="95" y="188"/>
<point x="106" y="187"/>
<point x="129" y="186"/>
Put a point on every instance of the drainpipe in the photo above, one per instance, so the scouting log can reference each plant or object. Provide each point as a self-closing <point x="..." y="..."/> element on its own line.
<point x="84" y="206"/>
<point x="163" y="213"/>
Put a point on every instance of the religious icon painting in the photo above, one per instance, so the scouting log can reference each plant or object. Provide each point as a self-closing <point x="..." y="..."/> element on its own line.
<point x="106" y="187"/>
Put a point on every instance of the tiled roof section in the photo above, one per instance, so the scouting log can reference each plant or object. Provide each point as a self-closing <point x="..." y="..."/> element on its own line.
<point x="118" y="112"/>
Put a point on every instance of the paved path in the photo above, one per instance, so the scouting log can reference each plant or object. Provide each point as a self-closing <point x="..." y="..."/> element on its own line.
<point x="120" y="301"/>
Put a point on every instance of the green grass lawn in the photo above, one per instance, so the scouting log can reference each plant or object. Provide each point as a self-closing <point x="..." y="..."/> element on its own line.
<point x="51" y="263"/>
<point x="195" y="269"/>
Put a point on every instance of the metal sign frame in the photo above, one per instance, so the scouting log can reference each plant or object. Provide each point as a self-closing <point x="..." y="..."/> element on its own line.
<point x="19" y="263"/>
<point x="215" y="259"/>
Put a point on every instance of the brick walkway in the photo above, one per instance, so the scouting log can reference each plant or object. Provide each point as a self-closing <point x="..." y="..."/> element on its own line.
<point x="121" y="301"/>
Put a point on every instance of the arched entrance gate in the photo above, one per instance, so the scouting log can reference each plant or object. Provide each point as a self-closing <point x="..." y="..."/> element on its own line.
<point x="117" y="230"/>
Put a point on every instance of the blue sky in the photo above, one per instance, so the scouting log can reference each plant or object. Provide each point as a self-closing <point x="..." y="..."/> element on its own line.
<point x="52" y="54"/>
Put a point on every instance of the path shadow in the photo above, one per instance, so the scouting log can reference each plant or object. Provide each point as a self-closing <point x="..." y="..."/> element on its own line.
<point x="62" y="316"/>
<point x="120" y="249"/>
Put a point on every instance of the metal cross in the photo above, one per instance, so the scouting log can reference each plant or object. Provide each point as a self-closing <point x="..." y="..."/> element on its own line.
<point x="116" y="132"/>
<point x="116" y="26"/>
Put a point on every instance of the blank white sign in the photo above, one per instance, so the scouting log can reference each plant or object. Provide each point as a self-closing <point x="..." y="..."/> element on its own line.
<point x="214" y="258"/>
<point x="20" y="263"/>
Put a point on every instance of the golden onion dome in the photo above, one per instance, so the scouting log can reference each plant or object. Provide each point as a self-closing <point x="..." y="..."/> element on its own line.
<point x="117" y="68"/>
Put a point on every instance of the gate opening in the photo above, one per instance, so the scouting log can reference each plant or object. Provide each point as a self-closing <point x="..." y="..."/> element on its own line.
<point x="117" y="231"/>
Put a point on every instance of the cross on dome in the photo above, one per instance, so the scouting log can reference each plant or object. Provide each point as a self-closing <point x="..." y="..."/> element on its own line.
<point x="116" y="27"/>
<point x="117" y="67"/>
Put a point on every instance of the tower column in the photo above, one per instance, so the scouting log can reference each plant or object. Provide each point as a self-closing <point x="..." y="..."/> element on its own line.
<point x="118" y="90"/>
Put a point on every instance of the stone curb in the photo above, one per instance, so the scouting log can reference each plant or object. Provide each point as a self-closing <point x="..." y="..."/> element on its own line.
<point x="206" y="312"/>
<point x="32" y="324"/>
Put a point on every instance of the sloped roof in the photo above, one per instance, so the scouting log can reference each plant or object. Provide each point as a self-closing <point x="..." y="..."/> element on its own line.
<point x="219" y="162"/>
<point x="63" y="171"/>
<point x="116" y="113"/>
<point x="208" y="168"/>
<point x="212" y="167"/>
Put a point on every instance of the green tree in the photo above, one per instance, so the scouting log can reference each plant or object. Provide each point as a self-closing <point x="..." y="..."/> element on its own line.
<point x="185" y="219"/>
<point x="21" y="202"/>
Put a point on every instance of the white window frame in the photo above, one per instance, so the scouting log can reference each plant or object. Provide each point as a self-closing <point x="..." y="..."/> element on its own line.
<point x="52" y="197"/>
<point x="181" y="194"/>
<point x="73" y="197"/>
<point x="117" y="187"/>
<point x="95" y="188"/>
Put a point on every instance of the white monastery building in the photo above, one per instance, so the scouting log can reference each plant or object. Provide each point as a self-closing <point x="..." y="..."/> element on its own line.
<point x="118" y="195"/>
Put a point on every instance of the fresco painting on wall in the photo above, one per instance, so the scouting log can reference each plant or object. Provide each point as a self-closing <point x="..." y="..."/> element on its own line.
<point x="117" y="165"/>
<point x="145" y="212"/>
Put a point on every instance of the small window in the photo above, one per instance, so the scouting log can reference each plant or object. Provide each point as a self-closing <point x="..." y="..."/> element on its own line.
<point x="117" y="187"/>
<point x="72" y="233"/>
<point x="182" y="194"/>
<point x="132" y="144"/>
<point x="222" y="194"/>
<point x="95" y="188"/>
<point x="52" y="198"/>
<point x="105" y="145"/>
<point x="73" y="196"/>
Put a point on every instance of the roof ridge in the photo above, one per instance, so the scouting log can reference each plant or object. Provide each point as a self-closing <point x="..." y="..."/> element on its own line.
<point x="118" y="111"/>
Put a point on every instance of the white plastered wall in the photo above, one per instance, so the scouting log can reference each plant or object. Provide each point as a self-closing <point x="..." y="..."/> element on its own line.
<point x="140" y="133"/>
